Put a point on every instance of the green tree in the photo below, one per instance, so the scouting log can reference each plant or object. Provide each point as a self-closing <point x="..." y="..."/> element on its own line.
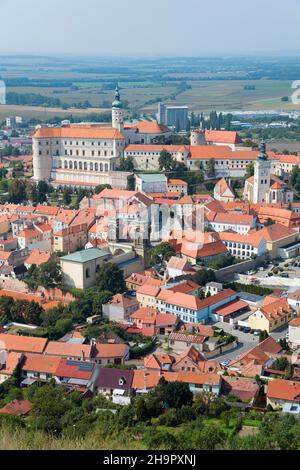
<point x="126" y="164"/>
<point x="101" y="187"/>
<point x="263" y="335"/>
<point x="161" y="252"/>
<point x="165" y="161"/>
<point x="210" y="168"/>
<point x="173" y="394"/>
<point x="249" y="170"/>
<point x="110" y="278"/>
<point x="67" y="196"/>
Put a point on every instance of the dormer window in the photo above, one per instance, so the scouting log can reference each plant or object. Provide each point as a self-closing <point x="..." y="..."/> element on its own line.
<point x="122" y="381"/>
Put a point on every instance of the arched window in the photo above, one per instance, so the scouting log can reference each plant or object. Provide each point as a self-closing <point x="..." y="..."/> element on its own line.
<point x="66" y="164"/>
<point x="106" y="167"/>
<point x="96" y="166"/>
<point x="75" y="165"/>
<point x="91" y="166"/>
<point x="80" y="166"/>
<point x="59" y="164"/>
<point x="101" y="166"/>
<point x="85" y="166"/>
<point x="70" y="165"/>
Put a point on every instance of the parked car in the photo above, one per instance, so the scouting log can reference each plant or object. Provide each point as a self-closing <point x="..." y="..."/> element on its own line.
<point x="247" y="329"/>
<point x="235" y="326"/>
<point x="257" y="332"/>
<point x="225" y="363"/>
<point x="284" y="275"/>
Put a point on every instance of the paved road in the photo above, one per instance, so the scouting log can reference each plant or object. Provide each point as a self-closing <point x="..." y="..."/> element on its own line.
<point x="246" y="340"/>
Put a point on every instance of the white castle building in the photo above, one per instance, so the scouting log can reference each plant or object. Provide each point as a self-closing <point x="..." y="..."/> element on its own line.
<point x="89" y="154"/>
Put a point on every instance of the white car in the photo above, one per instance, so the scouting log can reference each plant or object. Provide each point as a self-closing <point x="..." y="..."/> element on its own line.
<point x="225" y="362"/>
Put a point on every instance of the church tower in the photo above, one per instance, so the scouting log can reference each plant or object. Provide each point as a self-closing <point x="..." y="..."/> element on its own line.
<point x="262" y="175"/>
<point x="117" y="113"/>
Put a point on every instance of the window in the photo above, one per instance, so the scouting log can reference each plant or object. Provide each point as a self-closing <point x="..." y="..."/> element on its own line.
<point x="87" y="273"/>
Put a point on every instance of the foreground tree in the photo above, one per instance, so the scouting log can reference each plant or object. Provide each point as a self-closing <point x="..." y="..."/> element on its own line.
<point x="110" y="278"/>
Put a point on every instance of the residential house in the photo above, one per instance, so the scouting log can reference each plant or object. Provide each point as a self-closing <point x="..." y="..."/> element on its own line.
<point x="294" y="332"/>
<point x="38" y="367"/>
<point x="159" y="362"/>
<point x="8" y="363"/>
<point x="120" y="307"/>
<point x="284" y="395"/>
<point x="70" y="239"/>
<point x="178" y="186"/>
<point x="274" y="313"/>
<point x="221" y="221"/>
<point x="115" y="384"/>
<point x="76" y="375"/>
<point x="17" y="407"/>
<point x="22" y="344"/>
<point x="151" y="322"/>
<point x="180" y="341"/>
<point x="37" y="258"/>
<point x="223" y="191"/>
<point x="294" y="300"/>
<point x="69" y="350"/>
<point x="278" y="238"/>
<point x="144" y="381"/>
<point x="243" y="388"/>
<point x="110" y="353"/>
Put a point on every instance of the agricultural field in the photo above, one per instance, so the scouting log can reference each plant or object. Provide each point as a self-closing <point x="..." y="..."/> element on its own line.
<point x="210" y="85"/>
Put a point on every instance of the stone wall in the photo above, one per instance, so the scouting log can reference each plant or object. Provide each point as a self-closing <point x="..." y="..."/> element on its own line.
<point x="227" y="274"/>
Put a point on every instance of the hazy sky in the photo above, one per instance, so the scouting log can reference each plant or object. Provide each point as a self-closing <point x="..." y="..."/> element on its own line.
<point x="135" y="27"/>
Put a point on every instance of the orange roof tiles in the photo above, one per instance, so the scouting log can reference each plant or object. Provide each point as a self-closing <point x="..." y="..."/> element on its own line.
<point x="86" y="132"/>
<point x="59" y="348"/>
<point x="22" y="343"/>
<point x="108" y="350"/>
<point x="40" y="363"/>
<point x="148" y="127"/>
<point x="38" y="257"/>
<point x="295" y="322"/>
<point x="230" y="137"/>
<point x="175" y="182"/>
<point x="18" y="407"/>
<point x="12" y="360"/>
<point x="284" y="390"/>
<point x="231" y="308"/>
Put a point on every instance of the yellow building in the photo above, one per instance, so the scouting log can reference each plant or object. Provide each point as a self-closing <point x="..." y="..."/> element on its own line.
<point x="146" y="295"/>
<point x="273" y="313"/>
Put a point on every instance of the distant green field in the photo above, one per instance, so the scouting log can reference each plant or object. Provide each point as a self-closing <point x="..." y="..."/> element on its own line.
<point x="144" y="81"/>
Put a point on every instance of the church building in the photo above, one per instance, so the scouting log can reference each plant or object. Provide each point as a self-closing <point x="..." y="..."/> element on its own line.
<point x="263" y="186"/>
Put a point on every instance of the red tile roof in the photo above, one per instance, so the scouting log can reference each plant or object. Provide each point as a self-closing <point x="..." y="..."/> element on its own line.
<point x="18" y="407"/>
<point x="284" y="390"/>
<point x="22" y="343"/>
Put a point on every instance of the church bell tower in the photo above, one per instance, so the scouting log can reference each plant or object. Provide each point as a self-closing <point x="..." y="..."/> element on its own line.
<point x="262" y="175"/>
